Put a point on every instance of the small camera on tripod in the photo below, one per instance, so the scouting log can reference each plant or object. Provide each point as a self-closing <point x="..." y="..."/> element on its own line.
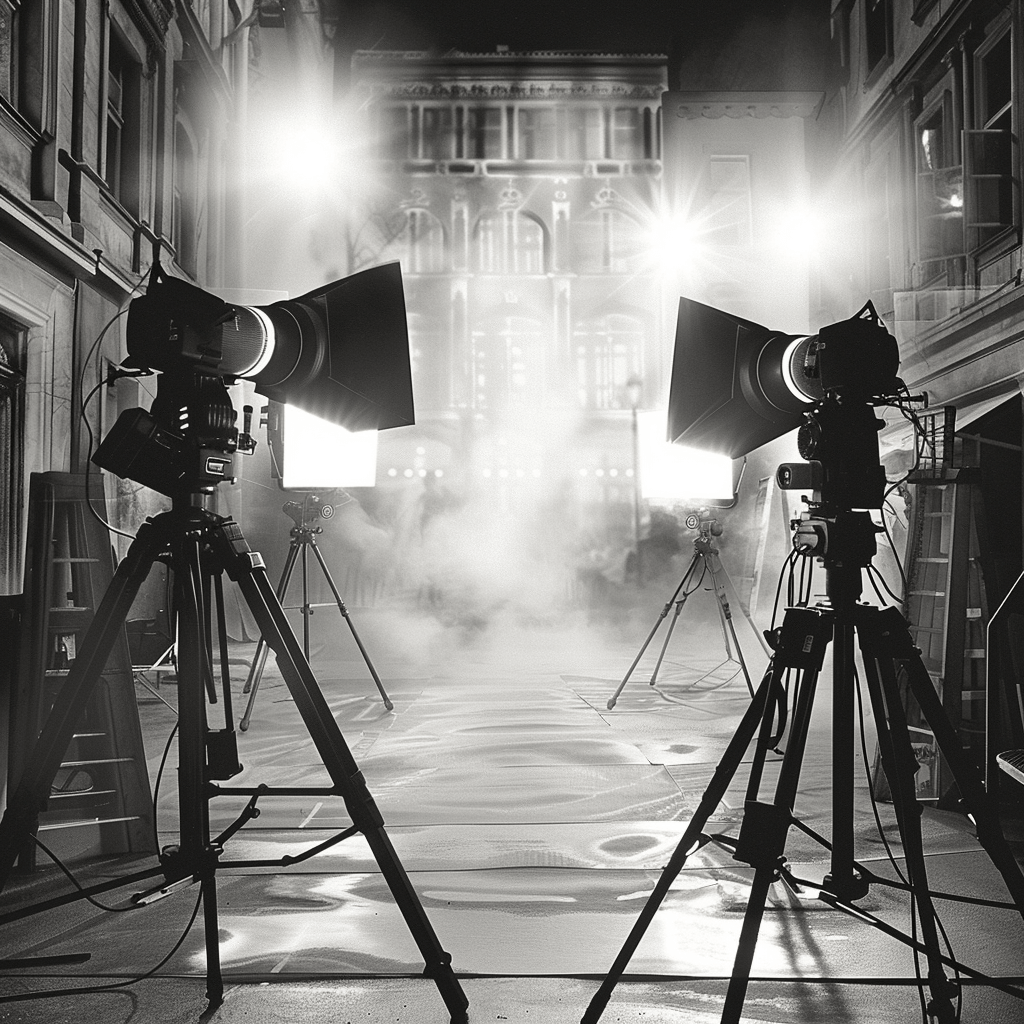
<point x="304" y="513"/>
<point x="702" y="521"/>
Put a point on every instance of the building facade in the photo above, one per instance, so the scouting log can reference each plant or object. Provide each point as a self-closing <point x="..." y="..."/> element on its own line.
<point x="116" y="149"/>
<point x="523" y="194"/>
<point x="918" y="172"/>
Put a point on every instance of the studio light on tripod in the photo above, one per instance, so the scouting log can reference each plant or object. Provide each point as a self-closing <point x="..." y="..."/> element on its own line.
<point x="737" y="385"/>
<point x="340" y="353"/>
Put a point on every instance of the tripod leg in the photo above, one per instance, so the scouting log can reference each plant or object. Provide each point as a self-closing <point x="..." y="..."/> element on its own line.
<point x="650" y="636"/>
<point x="758" y="709"/>
<point x="196" y="852"/>
<point x="668" y="638"/>
<point x="900" y="766"/>
<point x="259" y="660"/>
<point x="348" y="618"/>
<point x="725" y="614"/>
<point x="762" y="844"/>
<point x="32" y="790"/>
<point x="246" y="569"/>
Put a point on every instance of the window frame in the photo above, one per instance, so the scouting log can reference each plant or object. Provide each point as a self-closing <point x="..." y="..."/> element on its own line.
<point x="123" y="174"/>
<point x="184" y="196"/>
<point x="716" y="223"/>
<point x="873" y="68"/>
<point x="12" y="458"/>
<point x="936" y="236"/>
<point x="990" y="239"/>
<point x="607" y="350"/>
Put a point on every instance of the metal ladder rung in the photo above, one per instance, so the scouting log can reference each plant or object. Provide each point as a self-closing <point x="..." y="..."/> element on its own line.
<point x="78" y="794"/>
<point x="83" y="823"/>
<point x="98" y="760"/>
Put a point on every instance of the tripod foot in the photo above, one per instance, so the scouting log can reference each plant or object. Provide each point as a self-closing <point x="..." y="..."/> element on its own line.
<point x="388" y="704"/>
<point x="611" y="703"/>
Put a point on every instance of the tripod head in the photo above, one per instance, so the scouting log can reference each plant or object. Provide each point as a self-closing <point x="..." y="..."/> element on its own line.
<point x="183" y="446"/>
<point x="706" y="525"/>
<point x="306" y="512"/>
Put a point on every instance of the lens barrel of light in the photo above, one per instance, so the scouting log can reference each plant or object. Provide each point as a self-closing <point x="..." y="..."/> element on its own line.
<point x="247" y="342"/>
<point x="779" y="373"/>
<point x="300" y="348"/>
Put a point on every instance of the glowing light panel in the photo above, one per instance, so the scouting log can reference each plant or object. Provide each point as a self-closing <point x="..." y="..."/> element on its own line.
<point x="675" y="472"/>
<point x="319" y="455"/>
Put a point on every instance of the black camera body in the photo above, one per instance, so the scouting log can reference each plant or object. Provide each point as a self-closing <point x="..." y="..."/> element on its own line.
<point x="839" y="440"/>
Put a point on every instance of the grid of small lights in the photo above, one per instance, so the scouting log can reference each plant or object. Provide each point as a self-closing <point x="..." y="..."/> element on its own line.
<point x="419" y="470"/>
<point x="600" y="471"/>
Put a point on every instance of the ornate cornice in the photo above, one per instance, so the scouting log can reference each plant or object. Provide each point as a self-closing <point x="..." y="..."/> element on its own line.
<point x="152" y="17"/>
<point x="516" y="90"/>
<point x="543" y="76"/>
<point x="691" y="106"/>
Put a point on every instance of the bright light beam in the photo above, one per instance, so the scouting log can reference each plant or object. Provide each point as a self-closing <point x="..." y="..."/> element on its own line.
<point x="675" y="472"/>
<point x="319" y="455"/>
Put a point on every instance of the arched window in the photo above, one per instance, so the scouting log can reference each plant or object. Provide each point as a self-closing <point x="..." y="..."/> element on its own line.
<point x="508" y="362"/>
<point x="423" y="243"/>
<point x="608" y="241"/>
<point x="510" y="242"/>
<point x="607" y="352"/>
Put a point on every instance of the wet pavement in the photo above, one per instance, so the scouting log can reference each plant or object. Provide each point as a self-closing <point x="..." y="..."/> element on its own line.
<point x="533" y="822"/>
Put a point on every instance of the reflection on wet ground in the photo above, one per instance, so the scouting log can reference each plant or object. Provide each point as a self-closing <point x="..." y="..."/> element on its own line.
<point x="534" y="823"/>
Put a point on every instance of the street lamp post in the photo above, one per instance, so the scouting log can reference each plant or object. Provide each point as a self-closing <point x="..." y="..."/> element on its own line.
<point x="634" y="389"/>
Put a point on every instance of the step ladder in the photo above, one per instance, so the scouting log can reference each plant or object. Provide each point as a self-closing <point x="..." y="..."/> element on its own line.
<point x="100" y="799"/>
<point x="946" y="606"/>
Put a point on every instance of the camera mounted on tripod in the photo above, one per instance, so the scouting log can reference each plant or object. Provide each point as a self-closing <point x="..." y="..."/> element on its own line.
<point x="701" y="520"/>
<point x="306" y="512"/>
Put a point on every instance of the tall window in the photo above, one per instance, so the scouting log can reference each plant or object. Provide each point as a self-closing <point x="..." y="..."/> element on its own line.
<point x="989" y="148"/>
<point x="10" y="45"/>
<point x="580" y="133"/>
<point x="726" y="206"/>
<point x="627" y="134"/>
<point x="12" y="453"/>
<point x="509" y="242"/>
<point x="877" y="32"/>
<point x="608" y="351"/>
<point x="484" y="133"/>
<point x="608" y="241"/>
<point x="508" y="363"/>
<point x="430" y="362"/>
<point x="436" y="135"/>
<point x="537" y="133"/>
<point x="423" y="243"/>
<point x="121" y="139"/>
<point x="184" y="200"/>
<point x="940" y="193"/>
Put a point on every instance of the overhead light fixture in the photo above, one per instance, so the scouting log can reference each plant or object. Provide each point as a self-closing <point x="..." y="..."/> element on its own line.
<point x="737" y="385"/>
